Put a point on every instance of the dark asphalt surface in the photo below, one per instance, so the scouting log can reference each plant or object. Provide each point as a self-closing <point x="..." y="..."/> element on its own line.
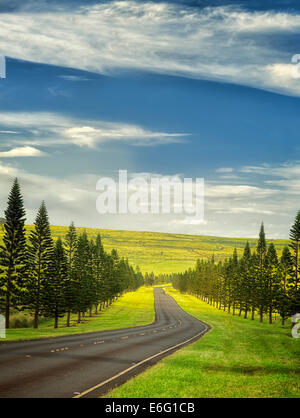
<point x="80" y="365"/>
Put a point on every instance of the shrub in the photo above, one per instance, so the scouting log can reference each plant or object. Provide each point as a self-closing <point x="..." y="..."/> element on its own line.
<point x="21" y="320"/>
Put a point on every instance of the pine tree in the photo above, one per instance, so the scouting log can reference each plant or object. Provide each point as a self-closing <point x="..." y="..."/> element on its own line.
<point x="245" y="290"/>
<point x="54" y="295"/>
<point x="123" y="276"/>
<point x="261" y="245"/>
<point x="273" y="279"/>
<point x="82" y="276"/>
<point x="228" y="284"/>
<point x="109" y="275"/>
<point x="140" y="278"/>
<point x="40" y="252"/>
<point x="235" y="282"/>
<point x="13" y="252"/>
<point x="253" y="274"/>
<point x="294" y="290"/>
<point x="98" y="271"/>
<point x="262" y="280"/>
<point x="70" y="246"/>
<point x="285" y="272"/>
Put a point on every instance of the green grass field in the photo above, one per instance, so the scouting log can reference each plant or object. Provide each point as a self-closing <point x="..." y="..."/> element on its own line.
<point x="131" y="309"/>
<point x="237" y="358"/>
<point x="161" y="252"/>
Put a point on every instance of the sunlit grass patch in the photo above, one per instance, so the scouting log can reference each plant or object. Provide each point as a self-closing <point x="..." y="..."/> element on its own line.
<point x="237" y="358"/>
<point x="131" y="309"/>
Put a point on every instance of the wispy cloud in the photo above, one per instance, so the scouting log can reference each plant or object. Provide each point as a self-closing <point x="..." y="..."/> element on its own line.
<point x="224" y="170"/>
<point x="73" y="78"/>
<point x="22" y="152"/>
<point x="289" y="170"/>
<point x="221" y="43"/>
<point x="239" y="191"/>
<point x="239" y="210"/>
<point x="285" y="177"/>
<point x="53" y="129"/>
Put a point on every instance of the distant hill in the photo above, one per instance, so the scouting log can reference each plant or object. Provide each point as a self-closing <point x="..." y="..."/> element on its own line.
<point x="163" y="252"/>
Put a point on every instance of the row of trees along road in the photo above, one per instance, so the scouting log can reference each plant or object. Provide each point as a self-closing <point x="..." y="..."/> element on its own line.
<point x="259" y="282"/>
<point x="54" y="278"/>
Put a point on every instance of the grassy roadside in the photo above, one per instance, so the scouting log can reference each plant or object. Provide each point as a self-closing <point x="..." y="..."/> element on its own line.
<point x="237" y="358"/>
<point x="132" y="309"/>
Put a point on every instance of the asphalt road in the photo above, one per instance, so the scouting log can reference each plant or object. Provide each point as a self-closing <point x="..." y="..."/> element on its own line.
<point x="88" y="365"/>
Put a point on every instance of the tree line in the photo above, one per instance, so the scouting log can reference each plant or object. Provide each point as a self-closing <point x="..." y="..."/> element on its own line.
<point x="260" y="282"/>
<point x="152" y="279"/>
<point x="54" y="278"/>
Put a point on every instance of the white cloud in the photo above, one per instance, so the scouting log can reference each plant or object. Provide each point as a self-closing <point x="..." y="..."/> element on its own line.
<point x="188" y="221"/>
<point x="289" y="170"/>
<point x="73" y="78"/>
<point x="285" y="177"/>
<point x="221" y="43"/>
<point x="22" y="152"/>
<point x="51" y="128"/>
<point x="74" y="198"/>
<point x="65" y="197"/>
<point x="264" y="22"/>
<point x="282" y="74"/>
<point x="224" y="170"/>
<point x="89" y="136"/>
<point x="239" y="210"/>
<point x="237" y="191"/>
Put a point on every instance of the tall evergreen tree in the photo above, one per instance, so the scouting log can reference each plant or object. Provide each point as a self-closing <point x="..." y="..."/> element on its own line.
<point x="253" y="273"/>
<point x="55" y="289"/>
<point x="261" y="245"/>
<point x="98" y="255"/>
<point x="235" y="281"/>
<point x="245" y="288"/>
<point x="273" y="279"/>
<point x="70" y="246"/>
<point x="262" y="280"/>
<point x="13" y="252"/>
<point x="294" y="290"/>
<point x="285" y="272"/>
<point x="40" y="251"/>
<point x="83" y="278"/>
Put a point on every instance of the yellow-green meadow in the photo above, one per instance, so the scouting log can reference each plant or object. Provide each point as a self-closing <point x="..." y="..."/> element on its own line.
<point x="163" y="252"/>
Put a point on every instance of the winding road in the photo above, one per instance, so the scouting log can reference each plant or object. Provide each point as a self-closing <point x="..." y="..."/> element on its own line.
<point x="88" y="365"/>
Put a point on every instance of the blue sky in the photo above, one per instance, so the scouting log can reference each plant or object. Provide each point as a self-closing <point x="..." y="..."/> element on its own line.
<point x="196" y="89"/>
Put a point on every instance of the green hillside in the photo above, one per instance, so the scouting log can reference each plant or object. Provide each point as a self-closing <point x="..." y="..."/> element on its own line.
<point x="162" y="252"/>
